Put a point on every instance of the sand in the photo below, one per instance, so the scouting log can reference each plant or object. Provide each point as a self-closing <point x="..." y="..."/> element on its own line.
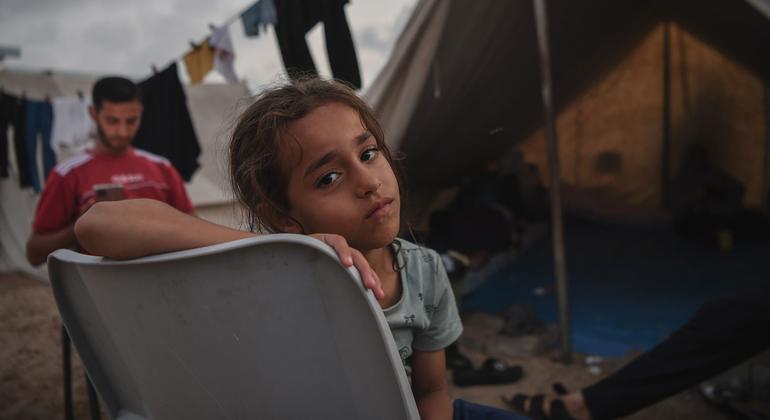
<point x="31" y="370"/>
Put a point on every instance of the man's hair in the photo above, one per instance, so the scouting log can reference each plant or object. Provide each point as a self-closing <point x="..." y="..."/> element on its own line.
<point x="114" y="89"/>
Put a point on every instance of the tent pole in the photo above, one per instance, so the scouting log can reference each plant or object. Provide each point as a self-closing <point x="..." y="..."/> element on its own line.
<point x="766" y="154"/>
<point x="665" y="193"/>
<point x="541" y="24"/>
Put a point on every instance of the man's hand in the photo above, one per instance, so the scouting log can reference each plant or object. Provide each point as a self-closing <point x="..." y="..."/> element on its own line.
<point x="350" y="257"/>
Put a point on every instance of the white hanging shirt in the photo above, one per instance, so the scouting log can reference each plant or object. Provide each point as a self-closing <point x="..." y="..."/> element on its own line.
<point x="73" y="127"/>
<point x="224" y="58"/>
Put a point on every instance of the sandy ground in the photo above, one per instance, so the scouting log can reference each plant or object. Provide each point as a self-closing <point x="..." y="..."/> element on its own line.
<point x="31" y="378"/>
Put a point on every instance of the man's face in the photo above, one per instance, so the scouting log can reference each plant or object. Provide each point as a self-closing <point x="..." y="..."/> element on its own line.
<point x="117" y="123"/>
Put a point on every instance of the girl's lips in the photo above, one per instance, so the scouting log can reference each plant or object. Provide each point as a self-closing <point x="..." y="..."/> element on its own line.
<point x="380" y="209"/>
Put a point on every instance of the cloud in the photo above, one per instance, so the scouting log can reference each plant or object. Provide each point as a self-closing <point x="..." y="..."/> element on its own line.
<point x="371" y="38"/>
<point x="125" y="37"/>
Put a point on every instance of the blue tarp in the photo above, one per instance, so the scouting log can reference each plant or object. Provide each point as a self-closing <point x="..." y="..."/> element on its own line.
<point x="628" y="289"/>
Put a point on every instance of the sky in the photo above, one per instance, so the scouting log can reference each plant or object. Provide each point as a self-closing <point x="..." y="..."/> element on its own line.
<point x="128" y="36"/>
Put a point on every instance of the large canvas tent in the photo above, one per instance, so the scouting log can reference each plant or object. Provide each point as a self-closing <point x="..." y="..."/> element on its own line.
<point x="462" y="87"/>
<point x="635" y="85"/>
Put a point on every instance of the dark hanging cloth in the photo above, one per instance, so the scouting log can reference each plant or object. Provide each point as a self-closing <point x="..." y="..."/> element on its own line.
<point x="39" y="121"/>
<point x="259" y="15"/>
<point x="296" y="17"/>
<point x="5" y="101"/>
<point x="13" y="114"/>
<point x="167" y="128"/>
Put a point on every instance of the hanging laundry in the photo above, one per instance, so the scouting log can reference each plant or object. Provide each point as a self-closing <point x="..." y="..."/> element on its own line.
<point x="39" y="121"/>
<point x="261" y="13"/>
<point x="296" y="17"/>
<point x="13" y="114"/>
<point x="167" y="128"/>
<point x="73" y="127"/>
<point x="5" y="119"/>
<point x="199" y="61"/>
<point x="224" y="55"/>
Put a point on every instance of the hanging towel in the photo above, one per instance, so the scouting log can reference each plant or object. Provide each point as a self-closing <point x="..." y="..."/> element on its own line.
<point x="199" y="61"/>
<point x="224" y="56"/>
<point x="296" y="17"/>
<point x="73" y="127"/>
<point x="167" y="128"/>
<point x="261" y="13"/>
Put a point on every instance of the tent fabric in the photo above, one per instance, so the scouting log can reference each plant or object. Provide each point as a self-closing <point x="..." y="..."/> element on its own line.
<point x="761" y="5"/>
<point x="211" y="108"/>
<point x="477" y="89"/>
<point x="392" y="94"/>
<point x="611" y="135"/>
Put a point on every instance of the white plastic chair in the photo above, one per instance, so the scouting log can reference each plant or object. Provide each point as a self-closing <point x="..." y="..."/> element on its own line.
<point x="271" y="327"/>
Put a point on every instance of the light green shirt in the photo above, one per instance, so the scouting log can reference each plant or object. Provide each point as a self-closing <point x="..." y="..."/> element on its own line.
<point x="425" y="318"/>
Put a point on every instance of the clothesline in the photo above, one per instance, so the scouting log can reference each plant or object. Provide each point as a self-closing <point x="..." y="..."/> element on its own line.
<point x="195" y="44"/>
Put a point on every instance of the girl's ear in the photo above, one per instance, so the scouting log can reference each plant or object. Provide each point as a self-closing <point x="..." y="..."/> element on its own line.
<point x="279" y="221"/>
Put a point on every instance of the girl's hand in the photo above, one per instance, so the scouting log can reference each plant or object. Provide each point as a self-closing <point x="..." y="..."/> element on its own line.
<point x="350" y="257"/>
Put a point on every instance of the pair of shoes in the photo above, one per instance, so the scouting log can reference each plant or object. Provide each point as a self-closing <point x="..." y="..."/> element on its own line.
<point x="456" y="360"/>
<point x="492" y="372"/>
<point x="537" y="405"/>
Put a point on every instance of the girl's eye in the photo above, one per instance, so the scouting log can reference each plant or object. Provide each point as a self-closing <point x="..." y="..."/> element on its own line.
<point x="327" y="179"/>
<point x="369" y="154"/>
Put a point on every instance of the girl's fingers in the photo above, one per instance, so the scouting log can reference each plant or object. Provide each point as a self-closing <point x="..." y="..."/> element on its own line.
<point x="368" y="276"/>
<point x="340" y="246"/>
<point x="349" y="257"/>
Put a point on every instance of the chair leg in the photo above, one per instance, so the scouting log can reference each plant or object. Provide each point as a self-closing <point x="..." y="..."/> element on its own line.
<point x="93" y="399"/>
<point x="67" y="373"/>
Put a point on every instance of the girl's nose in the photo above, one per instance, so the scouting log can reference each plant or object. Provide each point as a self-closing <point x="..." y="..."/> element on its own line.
<point x="368" y="184"/>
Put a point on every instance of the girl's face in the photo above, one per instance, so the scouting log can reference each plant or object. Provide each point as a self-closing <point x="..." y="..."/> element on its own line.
<point x="339" y="181"/>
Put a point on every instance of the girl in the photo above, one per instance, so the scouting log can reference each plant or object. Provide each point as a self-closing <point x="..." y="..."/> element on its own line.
<point x="309" y="157"/>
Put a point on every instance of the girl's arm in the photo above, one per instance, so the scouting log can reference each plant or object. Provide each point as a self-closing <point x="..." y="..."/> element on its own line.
<point x="429" y="384"/>
<point x="135" y="228"/>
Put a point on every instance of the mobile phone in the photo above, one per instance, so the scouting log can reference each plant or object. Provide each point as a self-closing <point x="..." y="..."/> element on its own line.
<point x="108" y="192"/>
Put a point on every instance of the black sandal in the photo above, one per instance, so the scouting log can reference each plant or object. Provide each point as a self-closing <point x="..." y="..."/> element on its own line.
<point x="537" y="407"/>
<point x="492" y="372"/>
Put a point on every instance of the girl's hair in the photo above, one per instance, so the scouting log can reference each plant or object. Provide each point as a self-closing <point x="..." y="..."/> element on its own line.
<point x="260" y="136"/>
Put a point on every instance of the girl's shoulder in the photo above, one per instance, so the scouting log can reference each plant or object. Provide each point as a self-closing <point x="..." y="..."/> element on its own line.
<point x="413" y="249"/>
<point x="411" y="255"/>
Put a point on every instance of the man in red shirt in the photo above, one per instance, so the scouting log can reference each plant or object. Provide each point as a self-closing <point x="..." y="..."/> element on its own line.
<point x="111" y="170"/>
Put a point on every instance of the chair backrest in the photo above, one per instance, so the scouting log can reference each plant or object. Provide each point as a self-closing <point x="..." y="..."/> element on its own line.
<point x="271" y="327"/>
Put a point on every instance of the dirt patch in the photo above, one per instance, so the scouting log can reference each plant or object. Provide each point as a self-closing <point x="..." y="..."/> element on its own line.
<point x="31" y="354"/>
